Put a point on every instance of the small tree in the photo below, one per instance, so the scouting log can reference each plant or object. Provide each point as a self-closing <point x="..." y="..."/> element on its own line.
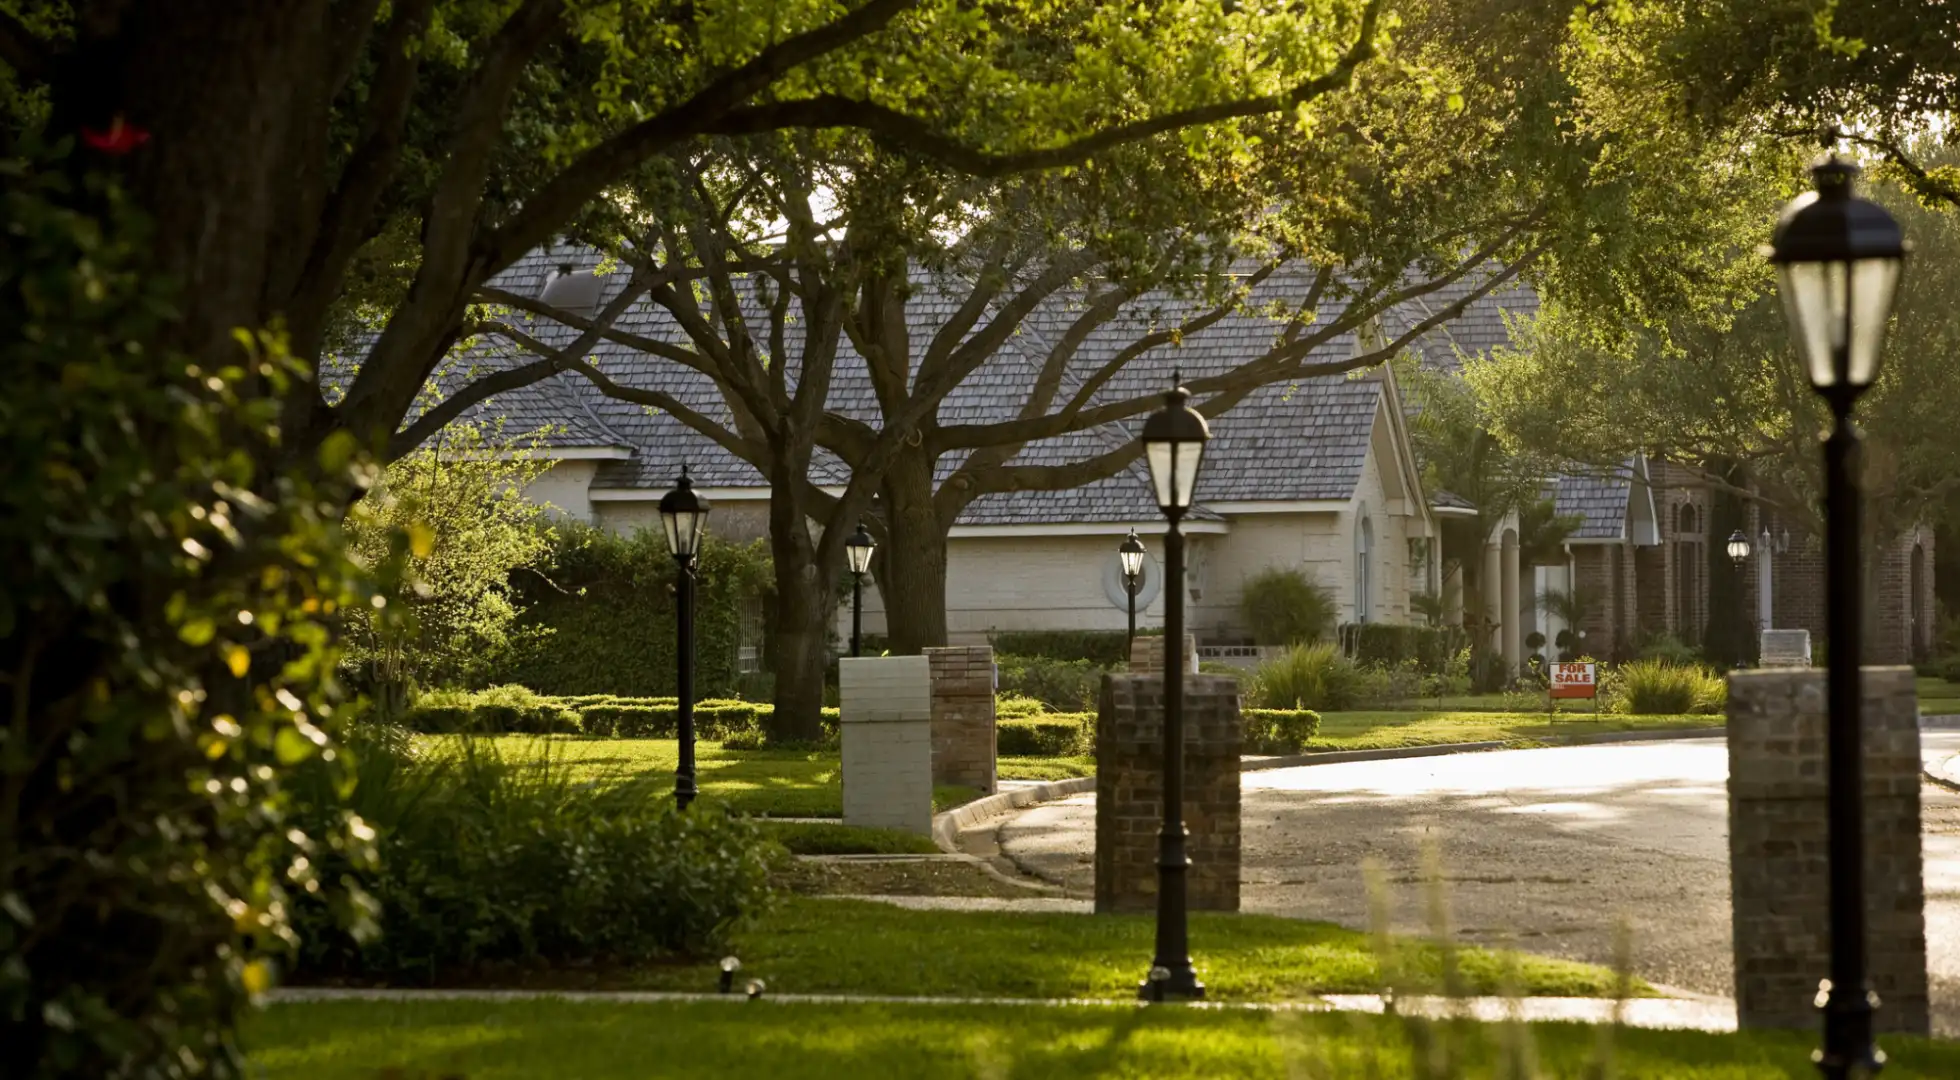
<point x="459" y="506"/>
<point x="1287" y="607"/>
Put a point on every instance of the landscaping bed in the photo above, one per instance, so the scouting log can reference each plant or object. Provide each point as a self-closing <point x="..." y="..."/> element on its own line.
<point x="522" y="1040"/>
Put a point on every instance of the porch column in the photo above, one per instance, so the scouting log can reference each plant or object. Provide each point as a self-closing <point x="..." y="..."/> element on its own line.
<point x="1492" y="591"/>
<point x="1512" y="613"/>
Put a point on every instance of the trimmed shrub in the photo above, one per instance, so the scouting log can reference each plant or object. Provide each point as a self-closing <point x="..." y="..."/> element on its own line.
<point x="1308" y="677"/>
<point x="1427" y="649"/>
<point x="498" y="710"/>
<point x="1053" y="735"/>
<point x="1278" y="731"/>
<point x="604" y="621"/>
<point x="1061" y="685"/>
<point x="489" y="861"/>
<point x="1016" y="707"/>
<point x="1101" y="647"/>
<point x="1287" y="607"/>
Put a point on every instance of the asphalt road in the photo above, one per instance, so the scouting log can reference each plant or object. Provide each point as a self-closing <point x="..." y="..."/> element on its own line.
<point x="1547" y="849"/>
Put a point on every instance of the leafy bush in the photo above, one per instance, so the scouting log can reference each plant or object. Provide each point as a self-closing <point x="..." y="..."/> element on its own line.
<point x="1061" y="685"/>
<point x="1428" y="650"/>
<point x="1653" y="687"/>
<point x="1016" y="707"/>
<point x="1053" y="735"/>
<point x="1278" y="731"/>
<point x="1102" y="647"/>
<point x="1668" y="649"/>
<point x="515" y="709"/>
<point x="486" y="860"/>
<point x="1286" y="607"/>
<point x="604" y="619"/>
<point x="1945" y="667"/>
<point x="1308" y="677"/>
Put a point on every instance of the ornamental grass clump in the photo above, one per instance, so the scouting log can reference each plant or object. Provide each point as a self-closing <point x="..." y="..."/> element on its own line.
<point x="1658" y="688"/>
<point x="487" y="860"/>
<point x="1314" y="677"/>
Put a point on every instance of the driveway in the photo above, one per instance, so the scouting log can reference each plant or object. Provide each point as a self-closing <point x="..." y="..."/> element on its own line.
<point x="1548" y="849"/>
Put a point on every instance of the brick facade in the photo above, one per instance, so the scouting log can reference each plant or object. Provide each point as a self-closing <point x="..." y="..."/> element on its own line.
<point x="1778" y="847"/>
<point x="1642" y="591"/>
<point x="1130" y="787"/>
<point x="963" y="736"/>
<point x="885" y="727"/>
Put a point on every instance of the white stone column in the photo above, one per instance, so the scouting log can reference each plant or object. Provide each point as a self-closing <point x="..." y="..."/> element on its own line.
<point x="885" y="725"/>
<point x="1512" y="613"/>
<point x="1493" y="592"/>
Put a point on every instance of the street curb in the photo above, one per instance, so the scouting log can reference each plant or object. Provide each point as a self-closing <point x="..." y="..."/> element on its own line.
<point x="1331" y="757"/>
<point x="946" y="826"/>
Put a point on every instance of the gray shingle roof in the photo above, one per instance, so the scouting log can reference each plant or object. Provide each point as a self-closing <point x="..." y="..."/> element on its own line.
<point x="1450" y="500"/>
<point x="1598" y="498"/>
<point x="1481" y="328"/>
<point x="1301" y="440"/>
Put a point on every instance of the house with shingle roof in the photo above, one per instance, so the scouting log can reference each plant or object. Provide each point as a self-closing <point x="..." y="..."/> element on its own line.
<point x="1316" y="474"/>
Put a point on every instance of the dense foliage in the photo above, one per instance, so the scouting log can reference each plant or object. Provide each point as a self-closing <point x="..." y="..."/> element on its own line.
<point x="461" y="503"/>
<point x="1104" y="647"/>
<point x="1661" y="688"/>
<point x="602" y="620"/>
<point x="165" y="595"/>
<point x="1262" y="731"/>
<point x="1285" y="606"/>
<point x="518" y="710"/>
<point x="1314" y="677"/>
<point x="1060" y="685"/>
<point x="486" y="860"/>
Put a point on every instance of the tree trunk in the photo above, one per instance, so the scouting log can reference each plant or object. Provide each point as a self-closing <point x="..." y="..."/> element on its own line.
<point x="912" y="561"/>
<point x="803" y="608"/>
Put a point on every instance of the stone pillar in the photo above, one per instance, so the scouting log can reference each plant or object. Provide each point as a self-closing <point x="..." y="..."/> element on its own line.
<point x="1778" y="847"/>
<point x="963" y="738"/>
<point x="1130" y="791"/>
<point x="885" y="724"/>
<point x="1147" y="654"/>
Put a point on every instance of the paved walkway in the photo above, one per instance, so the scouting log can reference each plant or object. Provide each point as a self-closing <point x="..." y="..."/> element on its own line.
<point x="1543" y="848"/>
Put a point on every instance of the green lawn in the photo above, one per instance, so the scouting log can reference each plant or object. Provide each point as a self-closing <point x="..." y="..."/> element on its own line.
<point x="1383" y="730"/>
<point x="1044" y="768"/>
<point x="1937" y="697"/>
<point x="829" y="838"/>
<point x="522" y="1040"/>
<point x="776" y="783"/>
<point x="809" y="945"/>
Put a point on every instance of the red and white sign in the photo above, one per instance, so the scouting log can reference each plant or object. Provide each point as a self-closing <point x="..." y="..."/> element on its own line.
<point x="1575" y="680"/>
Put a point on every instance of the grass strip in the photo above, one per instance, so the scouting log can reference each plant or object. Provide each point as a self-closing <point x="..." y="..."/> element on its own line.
<point x="785" y="1041"/>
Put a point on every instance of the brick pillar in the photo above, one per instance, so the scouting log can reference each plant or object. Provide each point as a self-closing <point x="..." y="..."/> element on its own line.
<point x="963" y="716"/>
<point x="1130" y="791"/>
<point x="1778" y="869"/>
<point x="1147" y="654"/>
<point x="885" y="725"/>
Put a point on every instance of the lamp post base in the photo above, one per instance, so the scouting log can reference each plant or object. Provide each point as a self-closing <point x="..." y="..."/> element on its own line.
<point x="1849" y="1052"/>
<point x="1182" y="986"/>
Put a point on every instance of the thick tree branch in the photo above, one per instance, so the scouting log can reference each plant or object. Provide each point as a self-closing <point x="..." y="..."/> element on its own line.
<point x="552" y="361"/>
<point x="586" y="176"/>
<point x="835" y="111"/>
<point x="345" y="221"/>
<point x="756" y="455"/>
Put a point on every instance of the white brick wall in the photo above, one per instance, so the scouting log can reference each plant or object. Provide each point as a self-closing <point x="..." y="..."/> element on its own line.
<point x="886" y="729"/>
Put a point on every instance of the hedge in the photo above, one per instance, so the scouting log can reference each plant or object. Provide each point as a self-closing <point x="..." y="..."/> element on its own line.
<point x="1391" y="644"/>
<point x="1104" y="648"/>
<point x="606" y="613"/>
<point x="1266" y="731"/>
<point x="604" y="715"/>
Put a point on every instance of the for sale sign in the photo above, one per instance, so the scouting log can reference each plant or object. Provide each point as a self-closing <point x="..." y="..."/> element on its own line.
<point x="1575" y="680"/>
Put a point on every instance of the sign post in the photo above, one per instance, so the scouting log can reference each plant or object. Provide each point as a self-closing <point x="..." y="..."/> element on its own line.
<point x="1575" y="681"/>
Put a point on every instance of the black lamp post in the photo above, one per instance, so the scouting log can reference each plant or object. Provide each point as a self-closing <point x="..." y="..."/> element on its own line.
<point x="685" y="516"/>
<point x="858" y="550"/>
<point x="1739" y="555"/>
<point x="1837" y="260"/>
<point x="1173" y="442"/>
<point x="1130" y="555"/>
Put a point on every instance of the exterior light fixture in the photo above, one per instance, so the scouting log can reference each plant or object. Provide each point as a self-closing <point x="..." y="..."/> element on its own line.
<point x="684" y="514"/>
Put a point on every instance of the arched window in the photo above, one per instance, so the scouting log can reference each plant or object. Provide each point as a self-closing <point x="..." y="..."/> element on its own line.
<point x="1685" y="520"/>
<point x="1364" y="543"/>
